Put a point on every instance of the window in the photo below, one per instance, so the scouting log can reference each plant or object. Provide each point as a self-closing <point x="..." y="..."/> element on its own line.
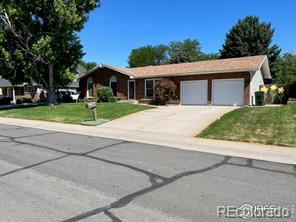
<point x="30" y="89"/>
<point x="113" y="85"/>
<point x="90" y="90"/>
<point x="149" y="87"/>
<point x="19" y="91"/>
<point x="112" y="79"/>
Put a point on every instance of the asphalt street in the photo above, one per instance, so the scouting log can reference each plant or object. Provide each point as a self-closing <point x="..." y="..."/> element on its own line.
<point x="53" y="176"/>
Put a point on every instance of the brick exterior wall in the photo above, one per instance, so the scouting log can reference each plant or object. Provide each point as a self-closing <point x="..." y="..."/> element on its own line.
<point x="177" y="80"/>
<point x="101" y="78"/>
<point x="210" y="77"/>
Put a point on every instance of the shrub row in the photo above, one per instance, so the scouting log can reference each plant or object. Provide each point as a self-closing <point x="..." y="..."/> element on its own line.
<point x="24" y="100"/>
<point x="5" y="100"/>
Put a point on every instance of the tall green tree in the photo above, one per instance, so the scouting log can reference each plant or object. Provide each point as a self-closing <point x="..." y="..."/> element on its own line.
<point x="208" y="56"/>
<point x="160" y="54"/>
<point x="250" y="37"/>
<point x="285" y="69"/>
<point x="39" y="41"/>
<point x="148" y="55"/>
<point x="88" y="65"/>
<point x="184" y="51"/>
<point x="175" y="52"/>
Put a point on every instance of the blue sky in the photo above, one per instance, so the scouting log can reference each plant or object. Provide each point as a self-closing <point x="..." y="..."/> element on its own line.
<point x="118" y="26"/>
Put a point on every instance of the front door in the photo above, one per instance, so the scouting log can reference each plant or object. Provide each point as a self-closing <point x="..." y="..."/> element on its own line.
<point x="113" y="86"/>
<point x="131" y="89"/>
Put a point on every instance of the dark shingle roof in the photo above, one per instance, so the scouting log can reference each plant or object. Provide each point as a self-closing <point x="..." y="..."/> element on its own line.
<point x="199" y="67"/>
<point x="5" y="83"/>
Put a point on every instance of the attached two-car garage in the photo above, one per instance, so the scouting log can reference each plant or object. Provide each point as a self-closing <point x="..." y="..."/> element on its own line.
<point x="226" y="92"/>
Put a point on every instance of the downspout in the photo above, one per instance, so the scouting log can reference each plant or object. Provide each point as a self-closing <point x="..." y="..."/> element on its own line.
<point x="252" y="73"/>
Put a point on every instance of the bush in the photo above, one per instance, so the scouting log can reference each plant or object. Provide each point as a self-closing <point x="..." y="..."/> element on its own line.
<point x="24" y="100"/>
<point x="5" y="100"/>
<point x="112" y="99"/>
<point x="105" y="95"/>
<point x="165" y="91"/>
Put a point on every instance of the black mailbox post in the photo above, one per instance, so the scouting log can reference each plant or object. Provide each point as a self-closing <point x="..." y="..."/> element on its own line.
<point x="92" y="106"/>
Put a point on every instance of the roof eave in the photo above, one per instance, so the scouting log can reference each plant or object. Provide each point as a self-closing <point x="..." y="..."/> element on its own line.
<point x="197" y="73"/>
<point x="265" y="67"/>
<point x="104" y="66"/>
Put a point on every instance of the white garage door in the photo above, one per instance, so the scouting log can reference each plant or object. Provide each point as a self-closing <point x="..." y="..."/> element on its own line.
<point x="194" y="92"/>
<point x="229" y="92"/>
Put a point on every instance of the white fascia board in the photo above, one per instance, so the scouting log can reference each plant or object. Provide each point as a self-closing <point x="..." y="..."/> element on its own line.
<point x="264" y="66"/>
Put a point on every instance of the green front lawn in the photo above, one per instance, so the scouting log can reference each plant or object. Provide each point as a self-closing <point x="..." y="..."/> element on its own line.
<point x="268" y="125"/>
<point x="72" y="112"/>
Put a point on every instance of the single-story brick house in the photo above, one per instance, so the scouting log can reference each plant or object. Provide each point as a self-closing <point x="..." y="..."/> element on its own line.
<point x="21" y="91"/>
<point x="217" y="82"/>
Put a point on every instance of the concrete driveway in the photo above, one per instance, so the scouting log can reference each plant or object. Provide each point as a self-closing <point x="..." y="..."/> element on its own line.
<point x="49" y="176"/>
<point x="173" y="119"/>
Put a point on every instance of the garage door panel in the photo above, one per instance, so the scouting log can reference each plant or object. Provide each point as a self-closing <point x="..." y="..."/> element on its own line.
<point x="228" y="92"/>
<point x="194" y="92"/>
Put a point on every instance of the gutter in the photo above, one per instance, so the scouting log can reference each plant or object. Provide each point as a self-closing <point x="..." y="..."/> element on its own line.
<point x="196" y="73"/>
<point x="168" y="75"/>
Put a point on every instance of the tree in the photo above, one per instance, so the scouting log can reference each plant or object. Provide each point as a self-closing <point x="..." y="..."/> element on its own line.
<point x="148" y="55"/>
<point x="160" y="54"/>
<point x="250" y="37"/>
<point x="209" y="56"/>
<point x="184" y="51"/>
<point x="285" y="69"/>
<point x="142" y="56"/>
<point x="39" y="41"/>
<point x="88" y="65"/>
<point x="176" y="52"/>
<point x="65" y="78"/>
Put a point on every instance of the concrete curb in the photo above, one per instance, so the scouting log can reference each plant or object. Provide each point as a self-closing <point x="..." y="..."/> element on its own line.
<point x="278" y="154"/>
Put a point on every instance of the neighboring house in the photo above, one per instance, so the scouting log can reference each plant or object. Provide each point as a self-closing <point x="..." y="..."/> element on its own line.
<point x="217" y="82"/>
<point x="32" y="92"/>
<point x="74" y="86"/>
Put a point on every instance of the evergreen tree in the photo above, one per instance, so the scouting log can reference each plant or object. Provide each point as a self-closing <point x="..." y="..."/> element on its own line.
<point x="250" y="37"/>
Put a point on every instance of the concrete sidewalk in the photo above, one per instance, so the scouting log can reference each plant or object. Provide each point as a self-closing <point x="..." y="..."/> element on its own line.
<point x="246" y="150"/>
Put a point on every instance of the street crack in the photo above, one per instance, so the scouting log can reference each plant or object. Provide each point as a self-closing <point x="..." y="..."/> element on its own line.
<point x="124" y="201"/>
<point x="112" y="216"/>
